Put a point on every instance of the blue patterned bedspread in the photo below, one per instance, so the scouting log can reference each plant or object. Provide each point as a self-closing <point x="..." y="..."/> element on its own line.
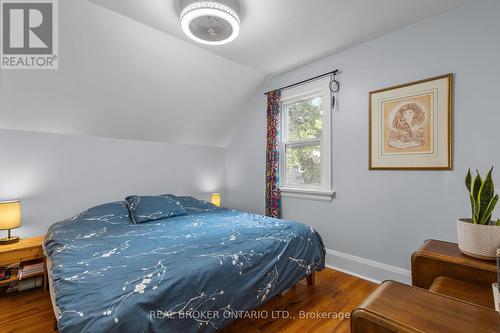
<point x="190" y="273"/>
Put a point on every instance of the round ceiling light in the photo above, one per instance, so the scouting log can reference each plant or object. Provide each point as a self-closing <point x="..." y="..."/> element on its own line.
<point x="210" y="22"/>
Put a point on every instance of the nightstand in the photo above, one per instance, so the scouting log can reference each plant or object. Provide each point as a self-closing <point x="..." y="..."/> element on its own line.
<point x="24" y="251"/>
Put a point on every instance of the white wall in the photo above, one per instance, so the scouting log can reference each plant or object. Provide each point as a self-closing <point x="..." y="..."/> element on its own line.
<point x="385" y="215"/>
<point x="57" y="176"/>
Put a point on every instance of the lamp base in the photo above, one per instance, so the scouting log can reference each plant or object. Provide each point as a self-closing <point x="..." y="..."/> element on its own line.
<point x="9" y="240"/>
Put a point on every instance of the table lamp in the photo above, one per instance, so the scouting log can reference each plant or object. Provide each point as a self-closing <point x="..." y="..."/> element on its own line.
<point x="10" y="218"/>
<point x="215" y="199"/>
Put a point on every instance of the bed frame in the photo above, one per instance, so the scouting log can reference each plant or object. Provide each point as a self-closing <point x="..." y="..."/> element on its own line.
<point x="311" y="279"/>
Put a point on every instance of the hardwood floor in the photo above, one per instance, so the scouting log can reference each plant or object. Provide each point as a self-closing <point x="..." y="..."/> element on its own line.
<point x="28" y="311"/>
<point x="334" y="293"/>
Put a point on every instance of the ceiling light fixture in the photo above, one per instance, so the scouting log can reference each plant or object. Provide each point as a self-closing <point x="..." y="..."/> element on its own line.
<point x="210" y="22"/>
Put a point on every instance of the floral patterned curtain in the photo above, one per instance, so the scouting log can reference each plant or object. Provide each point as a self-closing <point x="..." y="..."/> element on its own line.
<point x="273" y="195"/>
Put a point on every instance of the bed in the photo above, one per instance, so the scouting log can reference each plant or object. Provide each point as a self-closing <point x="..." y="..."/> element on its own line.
<point x="190" y="273"/>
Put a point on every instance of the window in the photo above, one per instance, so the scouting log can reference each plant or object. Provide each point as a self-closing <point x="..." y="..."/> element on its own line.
<point x="306" y="141"/>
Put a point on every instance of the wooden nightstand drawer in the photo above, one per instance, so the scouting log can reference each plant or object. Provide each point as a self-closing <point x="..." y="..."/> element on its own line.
<point x="21" y="255"/>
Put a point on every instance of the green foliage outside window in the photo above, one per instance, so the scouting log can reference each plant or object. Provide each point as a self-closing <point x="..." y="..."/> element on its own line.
<point x="304" y="122"/>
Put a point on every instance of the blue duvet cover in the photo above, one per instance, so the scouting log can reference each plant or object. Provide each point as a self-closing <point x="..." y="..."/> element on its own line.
<point x="190" y="273"/>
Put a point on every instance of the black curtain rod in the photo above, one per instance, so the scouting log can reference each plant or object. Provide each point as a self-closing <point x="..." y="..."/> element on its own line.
<point x="305" y="81"/>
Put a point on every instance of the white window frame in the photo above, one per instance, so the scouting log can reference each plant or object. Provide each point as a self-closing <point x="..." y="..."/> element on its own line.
<point x="323" y="191"/>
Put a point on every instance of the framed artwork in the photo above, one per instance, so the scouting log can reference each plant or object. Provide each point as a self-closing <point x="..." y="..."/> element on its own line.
<point x="410" y="126"/>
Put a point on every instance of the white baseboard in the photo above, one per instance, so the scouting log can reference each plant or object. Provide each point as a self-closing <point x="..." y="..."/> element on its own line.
<point x="365" y="268"/>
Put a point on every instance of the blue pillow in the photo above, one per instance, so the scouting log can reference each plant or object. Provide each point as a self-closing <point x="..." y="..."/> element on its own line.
<point x="151" y="208"/>
<point x="193" y="205"/>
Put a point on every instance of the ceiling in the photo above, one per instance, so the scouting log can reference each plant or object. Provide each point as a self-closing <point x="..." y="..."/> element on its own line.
<point x="277" y="35"/>
<point x="130" y="73"/>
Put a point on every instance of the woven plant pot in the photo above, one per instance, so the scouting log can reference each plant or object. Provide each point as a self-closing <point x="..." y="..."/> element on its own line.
<point x="477" y="240"/>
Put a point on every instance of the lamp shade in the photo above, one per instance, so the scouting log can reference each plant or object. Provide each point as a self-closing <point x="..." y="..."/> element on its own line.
<point x="10" y="215"/>
<point x="216" y="199"/>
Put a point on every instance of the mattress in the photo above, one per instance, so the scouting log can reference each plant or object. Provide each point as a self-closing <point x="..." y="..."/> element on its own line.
<point x="51" y="289"/>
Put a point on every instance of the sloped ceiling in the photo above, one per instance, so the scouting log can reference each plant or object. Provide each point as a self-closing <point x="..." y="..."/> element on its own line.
<point x="277" y="35"/>
<point x="129" y="72"/>
<point x="122" y="79"/>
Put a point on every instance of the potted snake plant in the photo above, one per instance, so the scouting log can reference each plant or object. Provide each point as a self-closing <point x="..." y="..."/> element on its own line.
<point x="479" y="236"/>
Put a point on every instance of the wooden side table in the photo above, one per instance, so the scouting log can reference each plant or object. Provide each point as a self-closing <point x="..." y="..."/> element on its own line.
<point x="458" y="299"/>
<point x="441" y="268"/>
<point x="395" y="307"/>
<point x="27" y="249"/>
<point x="438" y="258"/>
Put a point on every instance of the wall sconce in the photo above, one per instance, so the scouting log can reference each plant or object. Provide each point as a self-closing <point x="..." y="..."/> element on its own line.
<point x="10" y="218"/>
<point x="215" y="199"/>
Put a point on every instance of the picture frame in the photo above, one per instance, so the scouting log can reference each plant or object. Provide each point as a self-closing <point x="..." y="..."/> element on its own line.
<point x="410" y="125"/>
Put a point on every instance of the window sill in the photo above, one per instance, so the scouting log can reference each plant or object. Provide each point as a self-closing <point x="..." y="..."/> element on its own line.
<point x="318" y="195"/>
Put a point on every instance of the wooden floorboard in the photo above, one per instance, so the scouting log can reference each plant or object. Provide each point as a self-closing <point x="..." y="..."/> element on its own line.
<point x="26" y="312"/>
<point x="333" y="293"/>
